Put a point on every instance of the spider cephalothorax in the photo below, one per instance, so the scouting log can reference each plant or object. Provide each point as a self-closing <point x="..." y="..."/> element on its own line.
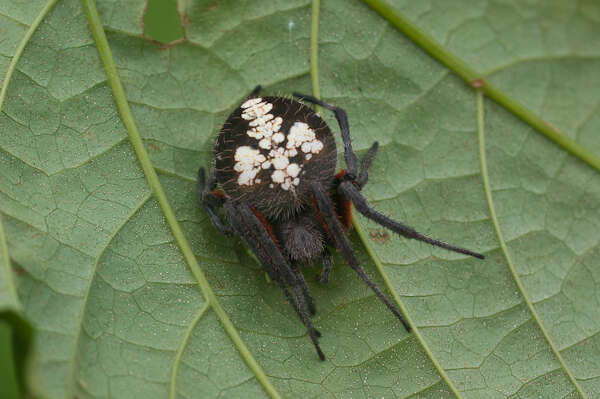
<point x="275" y="164"/>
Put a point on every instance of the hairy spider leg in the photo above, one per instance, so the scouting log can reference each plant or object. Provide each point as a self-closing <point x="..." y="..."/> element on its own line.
<point x="343" y="204"/>
<point x="263" y="255"/>
<point x="365" y="164"/>
<point x="244" y="231"/>
<point x="266" y="260"/>
<point x="349" y="189"/>
<point x="291" y="299"/>
<point x="298" y="284"/>
<point x="323" y="277"/>
<point x="211" y="200"/>
<point x="328" y="213"/>
<point x="267" y="225"/>
<point x="344" y="207"/>
<point x="300" y="278"/>
<point x="255" y="91"/>
<point x="361" y="205"/>
<point x="305" y="291"/>
<point x="254" y="233"/>
<point x="251" y="229"/>
<point x="349" y="155"/>
<point x="352" y="192"/>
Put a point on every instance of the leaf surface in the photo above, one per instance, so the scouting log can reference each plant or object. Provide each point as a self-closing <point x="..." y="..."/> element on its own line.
<point x="116" y="309"/>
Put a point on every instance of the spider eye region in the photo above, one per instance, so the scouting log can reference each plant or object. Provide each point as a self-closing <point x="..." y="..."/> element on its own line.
<point x="275" y="144"/>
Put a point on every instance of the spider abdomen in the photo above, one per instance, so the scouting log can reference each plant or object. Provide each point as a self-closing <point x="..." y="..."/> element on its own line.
<point x="269" y="152"/>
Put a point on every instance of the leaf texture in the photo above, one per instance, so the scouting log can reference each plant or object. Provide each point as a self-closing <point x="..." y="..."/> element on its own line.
<point x="117" y="311"/>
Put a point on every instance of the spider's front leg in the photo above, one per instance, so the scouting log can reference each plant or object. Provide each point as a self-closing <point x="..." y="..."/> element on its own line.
<point x="353" y="182"/>
<point x="350" y="188"/>
<point x="246" y="223"/>
<point x="349" y="155"/>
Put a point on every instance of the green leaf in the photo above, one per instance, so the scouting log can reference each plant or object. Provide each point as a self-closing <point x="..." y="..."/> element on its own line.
<point x="15" y="330"/>
<point x="131" y="291"/>
<point x="18" y="25"/>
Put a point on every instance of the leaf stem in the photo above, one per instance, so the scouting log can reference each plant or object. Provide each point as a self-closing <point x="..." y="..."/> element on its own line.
<point x="314" y="73"/>
<point x="488" y="195"/>
<point x="476" y="80"/>
<point x="154" y="182"/>
<point x="19" y="51"/>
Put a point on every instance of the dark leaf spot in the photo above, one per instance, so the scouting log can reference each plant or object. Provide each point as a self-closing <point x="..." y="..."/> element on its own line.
<point x="379" y="236"/>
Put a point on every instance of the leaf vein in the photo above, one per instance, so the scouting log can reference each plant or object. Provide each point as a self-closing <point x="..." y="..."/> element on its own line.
<point x="19" y="51"/>
<point x="470" y="75"/>
<point x="123" y="106"/>
<point x="488" y="194"/>
<point x="89" y="287"/>
<point x="179" y="354"/>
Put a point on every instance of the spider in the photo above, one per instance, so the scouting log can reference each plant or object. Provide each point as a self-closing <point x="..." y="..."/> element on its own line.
<point x="275" y="160"/>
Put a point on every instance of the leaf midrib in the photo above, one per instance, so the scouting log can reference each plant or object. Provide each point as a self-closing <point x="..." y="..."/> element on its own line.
<point x="152" y="177"/>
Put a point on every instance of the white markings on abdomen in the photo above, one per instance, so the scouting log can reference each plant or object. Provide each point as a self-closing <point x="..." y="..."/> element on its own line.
<point x="265" y="129"/>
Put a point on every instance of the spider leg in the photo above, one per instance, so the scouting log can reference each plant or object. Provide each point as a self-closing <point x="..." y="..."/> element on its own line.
<point x="340" y="115"/>
<point x="266" y="260"/>
<point x="290" y="298"/>
<point x="250" y="233"/>
<point x="326" y="209"/>
<point x="254" y="233"/>
<point x="365" y="164"/>
<point x="361" y="205"/>
<point x="323" y="278"/>
<point x="255" y="91"/>
<point x="259" y="250"/>
<point x="260" y="244"/>
<point x="305" y="292"/>
<point x="210" y="201"/>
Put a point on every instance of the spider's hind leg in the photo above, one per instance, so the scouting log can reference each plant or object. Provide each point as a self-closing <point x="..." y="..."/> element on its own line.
<point x="350" y="189"/>
<point x="305" y="292"/>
